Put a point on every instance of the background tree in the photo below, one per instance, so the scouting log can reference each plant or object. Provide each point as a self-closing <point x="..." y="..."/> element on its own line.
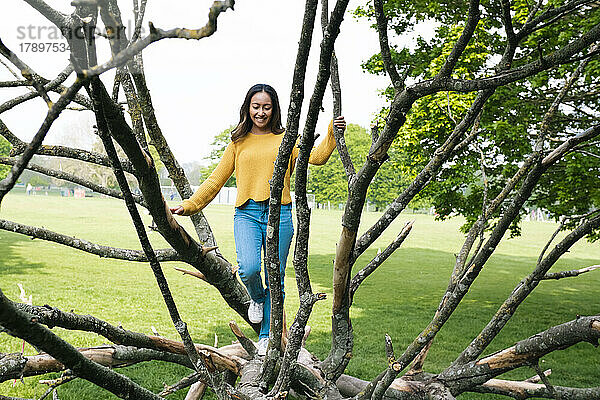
<point x="328" y="182"/>
<point x="218" y="145"/>
<point x="193" y="170"/>
<point x="39" y="180"/>
<point x="4" y="151"/>
<point x="513" y="117"/>
<point x="489" y="66"/>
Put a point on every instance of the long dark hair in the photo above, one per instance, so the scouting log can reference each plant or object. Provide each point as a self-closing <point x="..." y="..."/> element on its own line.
<point x="245" y="124"/>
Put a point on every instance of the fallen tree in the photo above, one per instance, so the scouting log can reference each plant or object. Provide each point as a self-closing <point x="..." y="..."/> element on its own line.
<point x="288" y="365"/>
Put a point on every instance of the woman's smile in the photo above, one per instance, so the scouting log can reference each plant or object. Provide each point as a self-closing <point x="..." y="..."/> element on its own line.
<point x="261" y="109"/>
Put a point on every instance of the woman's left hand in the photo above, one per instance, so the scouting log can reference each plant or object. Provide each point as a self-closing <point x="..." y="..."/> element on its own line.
<point x="176" y="210"/>
<point x="340" y="123"/>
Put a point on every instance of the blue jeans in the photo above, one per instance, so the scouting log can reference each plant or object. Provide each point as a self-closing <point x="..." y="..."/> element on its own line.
<point x="250" y="233"/>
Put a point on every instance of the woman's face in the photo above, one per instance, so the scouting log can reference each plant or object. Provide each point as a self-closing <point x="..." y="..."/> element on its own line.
<point x="260" y="110"/>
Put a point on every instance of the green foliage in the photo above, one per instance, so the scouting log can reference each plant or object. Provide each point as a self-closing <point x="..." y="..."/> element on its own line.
<point x="4" y="151"/>
<point x="511" y="119"/>
<point x="570" y="188"/>
<point x="158" y="165"/>
<point x="39" y="180"/>
<point x="219" y="144"/>
<point x="328" y="182"/>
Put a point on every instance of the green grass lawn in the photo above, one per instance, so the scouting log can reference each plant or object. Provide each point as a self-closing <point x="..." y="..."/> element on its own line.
<point x="400" y="298"/>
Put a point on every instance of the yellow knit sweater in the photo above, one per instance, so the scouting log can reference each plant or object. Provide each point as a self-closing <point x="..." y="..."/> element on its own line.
<point x="253" y="158"/>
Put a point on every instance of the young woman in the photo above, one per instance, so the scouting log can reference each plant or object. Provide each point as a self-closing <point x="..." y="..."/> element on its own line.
<point x="251" y="155"/>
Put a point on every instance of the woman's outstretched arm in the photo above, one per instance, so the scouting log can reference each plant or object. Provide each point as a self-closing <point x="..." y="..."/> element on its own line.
<point x="320" y="154"/>
<point x="211" y="186"/>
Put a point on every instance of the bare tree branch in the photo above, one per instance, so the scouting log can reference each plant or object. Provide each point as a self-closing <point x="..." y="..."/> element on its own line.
<point x="300" y="261"/>
<point x="96" y="93"/>
<point x="196" y="391"/>
<point x="379" y="259"/>
<point x="182" y="384"/>
<point x="246" y="343"/>
<point x="520" y="293"/>
<point x="50" y="87"/>
<point x="549" y="115"/>
<point x="15" y="366"/>
<point x="12" y="72"/>
<point x="570" y="143"/>
<point x="457" y="291"/>
<point x="55" y="86"/>
<point x="507" y="22"/>
<point x="453" y="297"/>
<point x="543" y="377"/>
<point x="559" y="57"/>
<point x="197" y="274"/>
<point x="336" y="90"/>
<point x="386" y="56"/>
<point x="478" y="227"/>
<point x="552" y="13"/>
<point x="583" y="329"/>
<point x="470" y="137"/>
<point x="117" y="36"/>
<point x="461" y="264"/>
<point x="144" y="108"/>
<point x="176" y="172"/>
<point x="276" y="186"/>
<point x="61" y="151"/>
<point x="571" y="273"/>
<point x="587" y="153"/>
<point x="139" y="19"/>
<point x="552" y="237"/>
<point x="214" y="268"/>
<point x="8" y="135"/>
<point x="2" y="397"/>
<point x="157" y="34"/>
<point x="7" y="183"/>
<point x="65" y="176"/>
<point x="82" y="155"/>
<point x="526" y="390"/>
<point x="36" y="81"/>
<point x="21" y="325"/>
<point x="327" y="47"/>
<point x="57" y="18"/>
<point x="423" y="178"/>
<point x="461" y="43"/>
<point x="53" y="384"/>
<point x="84" y="245"/>
<point x="15" y="83"/>
<point x="225" y="358"/>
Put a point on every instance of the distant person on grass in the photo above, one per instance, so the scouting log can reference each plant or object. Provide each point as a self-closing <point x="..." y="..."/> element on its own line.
<point x="251" y="155"/>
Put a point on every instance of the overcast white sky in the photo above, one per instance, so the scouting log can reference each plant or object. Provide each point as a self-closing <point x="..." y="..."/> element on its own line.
<point x="198" y="86"/>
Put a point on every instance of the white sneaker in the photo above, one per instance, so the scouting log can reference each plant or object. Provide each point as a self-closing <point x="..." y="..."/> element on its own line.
<point x="255" y="312"/>
<point x="261" y="346"/>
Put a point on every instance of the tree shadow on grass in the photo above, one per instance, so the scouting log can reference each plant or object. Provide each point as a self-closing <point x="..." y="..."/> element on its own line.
<point x="11" y="262"/>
